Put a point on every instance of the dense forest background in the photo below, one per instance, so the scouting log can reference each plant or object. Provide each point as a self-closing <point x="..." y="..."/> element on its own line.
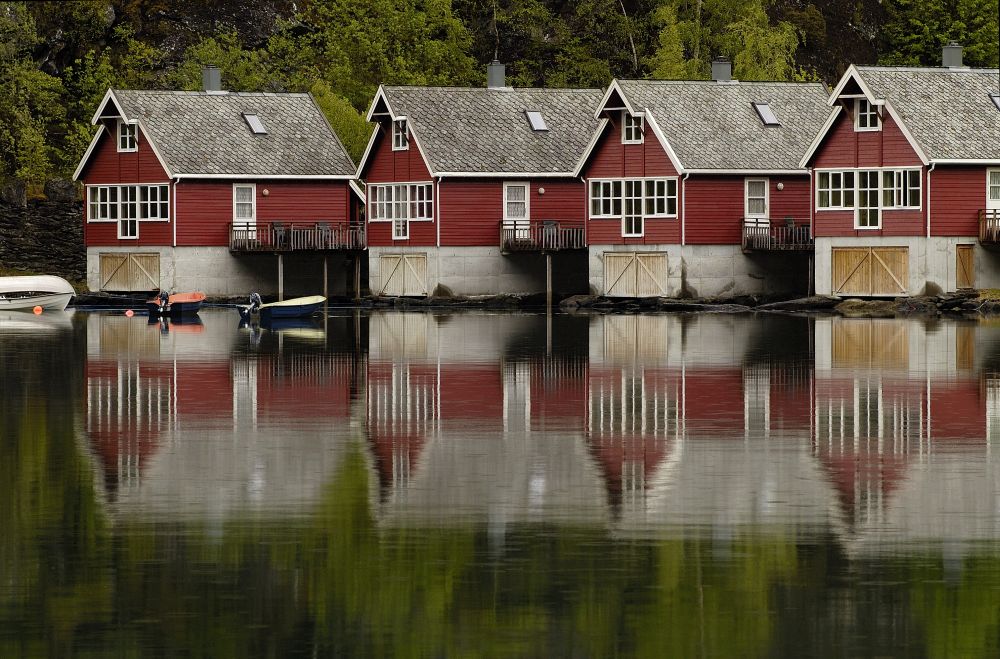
<point x="57" y="59"/>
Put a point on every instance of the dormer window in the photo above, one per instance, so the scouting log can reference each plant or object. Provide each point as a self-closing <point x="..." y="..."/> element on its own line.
<point x="126" y="136"/>
<point x="400" y="141"/>
<point x="866" y="115"/>
<point x="632" y="128"/>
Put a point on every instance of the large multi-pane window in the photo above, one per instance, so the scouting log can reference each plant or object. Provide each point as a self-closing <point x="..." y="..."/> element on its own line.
<point x="127" y="205"/>
<point x="154" y="202"/>
<point x="869" y="213"/>
<point x="901" y="188"/>
<point x="835" y="189"/>
<point x="400" y="203"/>
<point x="633" y="200"/>
<point x="869" y="192"/>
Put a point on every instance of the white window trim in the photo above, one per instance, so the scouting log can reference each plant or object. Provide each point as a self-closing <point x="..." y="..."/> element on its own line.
<point x="527" y="200"/>
<point x="118" y="137"/>
<point x="857" y="187"/>
<point x="118" y="201"/>
<point x="371" y="216"/>
<point x="405" y="146"/>
<point x="995" y="202"/>
<point x="767" y="198"/>
<point x="878" y="199"/>
<point x="857" y="115"/>
<point x="642" y="127"/>
<point x="167" y="200"/>
<point x="253" y="201"/>
<point x="642" y="207"/>
<point x="653" y="216"/>
<point x="920" y="188"/>
<point x="406" y="224"/>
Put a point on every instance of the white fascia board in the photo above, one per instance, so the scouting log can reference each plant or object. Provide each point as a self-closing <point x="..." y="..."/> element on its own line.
<point x="90" y="149"/>
<point x="368" y="151"/>
<point x="965" y="161"/>
<point x="268" y="177"/>
<point x="750" y="172"/>
<point x="852" y="73"/>
<point x="507" y="175"/>
<point x="420" y="148"/>
<point x="675" y="161"/>
<point x="906" y="133"/>
<point x="156" y="152"/>
<point x="820" y="136"/>
<point x="356" y="188"/>
<point x="614" y="86"/>
<point x="590" y="147"/>
<point x="371" y="109"/>
<point x="110" y="94"/>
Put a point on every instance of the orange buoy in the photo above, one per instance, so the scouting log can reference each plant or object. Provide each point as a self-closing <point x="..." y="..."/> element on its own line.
<point x="129" y="313"/>
<point x="37" y="310"/>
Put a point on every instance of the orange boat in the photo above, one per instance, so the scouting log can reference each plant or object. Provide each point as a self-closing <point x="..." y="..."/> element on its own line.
<point x="176" y="304"/>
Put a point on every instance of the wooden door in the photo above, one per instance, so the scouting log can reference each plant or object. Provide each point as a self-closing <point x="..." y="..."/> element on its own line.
<point x="965" y="266"/>
<point x="635" y="274"/>
<point x="870" y="271"/>
<point x="403" y="274"/>
<point x="127" y="272"/>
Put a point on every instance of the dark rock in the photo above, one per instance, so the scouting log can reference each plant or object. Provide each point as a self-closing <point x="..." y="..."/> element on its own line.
<point x="578" y="301"/>
<point x="867" y="308"/>
<point x="814" y="303"/>
<point x="917" y="306"/>
<point x="725" y="308"/>
<point x="60" y="190"/>
<point x="14" y="192"/>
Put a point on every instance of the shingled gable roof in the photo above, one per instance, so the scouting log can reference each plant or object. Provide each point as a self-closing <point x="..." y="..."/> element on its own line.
<point x="468" y="131"/>
<point x="947" y="112"/>
<point x="712" y="126"/>
<point x="204" y="135"/>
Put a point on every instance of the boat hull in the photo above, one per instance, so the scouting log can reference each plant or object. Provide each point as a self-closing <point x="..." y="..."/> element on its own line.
<point x="53" y="301"/>
<point x="180" y="304"/>
<point x="300" y="307"/>
<point x="24" y="293"/>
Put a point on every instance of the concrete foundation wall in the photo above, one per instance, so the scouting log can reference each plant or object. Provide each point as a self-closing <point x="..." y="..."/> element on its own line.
<point x="485" y="271"/>
<point x="932" y="262"/>
<point x="217" y="272"/>
<point x="715" y="270"/>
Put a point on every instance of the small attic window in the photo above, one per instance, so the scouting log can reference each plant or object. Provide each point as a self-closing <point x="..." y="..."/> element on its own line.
<point x="536" y="120"/>
<point x="766" y="114"/>
<point x="256" y="125"/>
<point x="996" y="100"/>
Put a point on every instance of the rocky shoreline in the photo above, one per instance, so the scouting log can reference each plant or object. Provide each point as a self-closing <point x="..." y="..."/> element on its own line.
<point x="955" y="304"/>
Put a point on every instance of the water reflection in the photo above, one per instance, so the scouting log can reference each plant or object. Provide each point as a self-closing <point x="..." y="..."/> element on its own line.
<point x="499" y="484"/>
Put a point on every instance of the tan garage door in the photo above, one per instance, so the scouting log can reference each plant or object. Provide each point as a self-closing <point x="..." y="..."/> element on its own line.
<point x="635" y="274"/>
<point x="130" y="272"/>
<point x="870" y="271"/>
<point x="965" y="266"/>
<point x="403" y="274"/>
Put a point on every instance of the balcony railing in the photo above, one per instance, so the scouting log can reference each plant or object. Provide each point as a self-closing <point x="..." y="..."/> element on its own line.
<point x="791" y="235"/>
<point x="989" y="226"/>
<point x="297" y="237"/>
<point x="541" y="236"/>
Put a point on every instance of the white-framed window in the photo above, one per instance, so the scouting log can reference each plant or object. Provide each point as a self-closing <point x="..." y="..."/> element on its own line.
<point x="901" y="188"/>
<point x="632" y="224"/>
<point x="516" y="201"/>
<point x="245" y="203"/>
<point x="866" y="115"/>
<point x="632" y="128"/>
<point x="154" y="202"/>
<point x="400" y="229"/>
<point x="400" y="140"/>
<point x="993" y="189"/>
<point x="127" y="140"/>
<point x="400" y="203"/>
<point x="868" y="214"/>
<point x="102" y="203"/>
<point x="421" y="201"/>
<point x="756" y="198"/>
<point x="128" y="212"/>
<point x="658" y="197"/>
<point x="835" y="190"/>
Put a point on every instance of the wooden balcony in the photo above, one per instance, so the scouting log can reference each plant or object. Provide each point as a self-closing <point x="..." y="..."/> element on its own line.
<point x="989" y="227"/>
<point x="295" y="237"/>
<point x="788" y="235"/>
<point x="541" y="236"/>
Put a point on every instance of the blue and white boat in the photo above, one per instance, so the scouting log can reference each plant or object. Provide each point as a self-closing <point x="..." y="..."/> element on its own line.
<point x="298" y="307"/>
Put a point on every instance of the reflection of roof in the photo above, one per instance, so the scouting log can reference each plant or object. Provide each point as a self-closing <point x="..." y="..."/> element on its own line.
<point x="482" y="130"/>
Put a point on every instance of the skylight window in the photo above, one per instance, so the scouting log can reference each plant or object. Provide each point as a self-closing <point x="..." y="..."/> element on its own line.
<point x="536" y="120"/>
<point x="256" y="125"/>
<point x="996" y="100"/>
<point x="766" y="114"/>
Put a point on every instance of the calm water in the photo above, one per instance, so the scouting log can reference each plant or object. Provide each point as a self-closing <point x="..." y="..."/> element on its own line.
<point x="446" y="484"/>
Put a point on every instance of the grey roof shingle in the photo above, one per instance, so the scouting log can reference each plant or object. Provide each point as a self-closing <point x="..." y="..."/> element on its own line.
<point x="481" y="130"/>
<point x="947" y="111"/>
<point x="712" y="125"/>
<point x="201" y="133"/>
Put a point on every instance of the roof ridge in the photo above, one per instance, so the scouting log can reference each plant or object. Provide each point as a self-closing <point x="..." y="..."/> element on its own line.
<point x="928" y="69"/>
<point x="222" y="94"/>
<point x="728" y="83"/>
<point x="487" y="89"/>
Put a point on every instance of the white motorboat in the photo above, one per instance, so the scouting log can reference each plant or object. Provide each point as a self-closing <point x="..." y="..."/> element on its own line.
<point x="28" y="292"/>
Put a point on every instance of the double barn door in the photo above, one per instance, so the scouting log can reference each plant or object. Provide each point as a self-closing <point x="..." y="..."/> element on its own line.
<point x="635" y="274"/>
<point x="870" y="271"/>
<point x="403" y="275"/>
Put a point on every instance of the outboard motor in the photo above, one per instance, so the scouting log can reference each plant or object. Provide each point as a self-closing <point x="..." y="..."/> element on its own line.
<point x="250" y="309"/>
<point x="164" y="299"/>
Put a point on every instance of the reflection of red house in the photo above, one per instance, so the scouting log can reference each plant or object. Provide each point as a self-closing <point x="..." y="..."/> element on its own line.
<point x="306" y="386"/>
<point x="957" y="410"/>
<point x="713" y="401"/>
<point x="791" y="391"/>
<point x="558" y="394"/>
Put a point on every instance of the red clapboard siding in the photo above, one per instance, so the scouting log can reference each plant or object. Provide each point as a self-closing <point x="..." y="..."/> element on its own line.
<point x="612" y="159"/>
<point x="471" y="211"/>
<point x="793" y="201"/>
<point x="105" y="234"/>
<point x="713" y="207"/>
<point x="957" y="196"/>
<point x="845" y="147"/>
<point x="387" y="166"/>
<point x="564" y="199"/>
<point x="107" y="165"/>
<point x="422" y="234"/>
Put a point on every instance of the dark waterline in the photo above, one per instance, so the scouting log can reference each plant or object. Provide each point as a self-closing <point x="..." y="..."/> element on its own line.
<point x="445" y="484"/>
